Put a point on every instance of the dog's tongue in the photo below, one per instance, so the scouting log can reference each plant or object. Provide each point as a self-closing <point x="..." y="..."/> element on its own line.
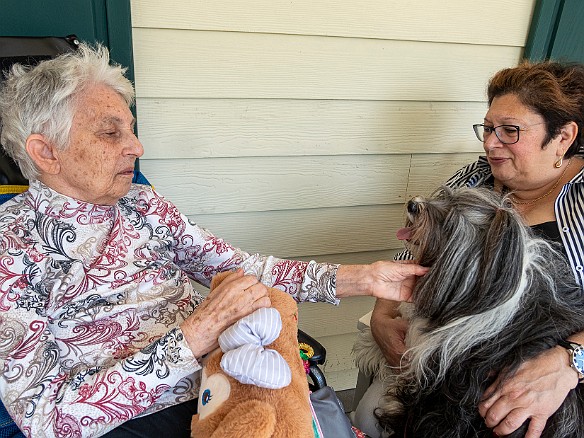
<point x="404" y="233"/>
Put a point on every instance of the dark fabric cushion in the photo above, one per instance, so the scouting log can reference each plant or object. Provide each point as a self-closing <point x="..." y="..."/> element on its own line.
<point x="7" y="427"/>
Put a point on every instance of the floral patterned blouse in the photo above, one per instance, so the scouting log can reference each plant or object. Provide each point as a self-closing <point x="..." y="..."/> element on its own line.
<point x="91" y="298"/>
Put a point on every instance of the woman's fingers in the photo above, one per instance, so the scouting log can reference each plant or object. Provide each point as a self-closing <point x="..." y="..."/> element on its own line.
<point x="236" y="296"/>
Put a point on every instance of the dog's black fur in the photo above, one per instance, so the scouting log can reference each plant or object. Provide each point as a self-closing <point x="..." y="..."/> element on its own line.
<point x="479" y="253"/>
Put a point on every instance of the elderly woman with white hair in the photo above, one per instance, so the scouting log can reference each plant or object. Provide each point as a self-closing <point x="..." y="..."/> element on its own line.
<point x="101" y="327"/>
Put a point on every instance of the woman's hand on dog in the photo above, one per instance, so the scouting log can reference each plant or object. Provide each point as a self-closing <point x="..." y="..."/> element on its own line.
<point x="384" y="279"/>
<point x="389" y="330"/>
<point x="534" y="393"/>
<point x="392" y="340"/>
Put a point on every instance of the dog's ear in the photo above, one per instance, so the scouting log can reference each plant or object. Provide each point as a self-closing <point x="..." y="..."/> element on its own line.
<point x="428" y="231"/>
<point x="504" y="250"/>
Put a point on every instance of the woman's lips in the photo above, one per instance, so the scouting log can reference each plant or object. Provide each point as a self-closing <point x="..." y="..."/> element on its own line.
<point x="129" y="171"/>
<point x="497" y="160"/>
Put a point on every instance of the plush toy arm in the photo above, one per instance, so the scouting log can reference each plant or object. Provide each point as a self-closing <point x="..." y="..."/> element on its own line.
<point x="252" y="418"/>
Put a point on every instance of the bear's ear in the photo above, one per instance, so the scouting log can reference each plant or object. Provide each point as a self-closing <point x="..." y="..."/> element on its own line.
<point x="218" y="278"/>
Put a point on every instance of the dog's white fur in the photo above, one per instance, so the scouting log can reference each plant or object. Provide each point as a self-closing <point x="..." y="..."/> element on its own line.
<point x="368" y="356"/>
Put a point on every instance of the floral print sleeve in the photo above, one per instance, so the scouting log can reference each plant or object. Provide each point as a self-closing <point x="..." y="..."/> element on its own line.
<point x="305" y="281"/>
<point x="91" y="298"/>
<point x="201" y="255"/>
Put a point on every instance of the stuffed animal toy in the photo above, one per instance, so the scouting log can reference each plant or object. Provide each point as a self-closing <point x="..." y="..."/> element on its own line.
<point x="256" y="384"/>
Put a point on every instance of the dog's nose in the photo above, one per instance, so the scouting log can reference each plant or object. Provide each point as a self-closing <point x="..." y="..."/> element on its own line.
<point x="412" y="207"/>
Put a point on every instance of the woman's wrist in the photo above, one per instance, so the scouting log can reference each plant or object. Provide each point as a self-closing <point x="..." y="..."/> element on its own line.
<point x="354" y="280"/>
<point x="382" y="279"/>
<point x="568" y="373"/>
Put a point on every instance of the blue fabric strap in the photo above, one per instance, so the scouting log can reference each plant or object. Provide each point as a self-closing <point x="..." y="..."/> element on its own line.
<point x="139" y="178"/>
<point x="7" y="427"/>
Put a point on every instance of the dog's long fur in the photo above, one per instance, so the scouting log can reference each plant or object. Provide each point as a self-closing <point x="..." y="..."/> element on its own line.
<point x="494" y="297"/>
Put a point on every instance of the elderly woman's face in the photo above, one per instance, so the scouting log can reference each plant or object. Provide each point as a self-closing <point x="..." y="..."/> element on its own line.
<point x="525" y="164"/>
<point x="98" y="164"/>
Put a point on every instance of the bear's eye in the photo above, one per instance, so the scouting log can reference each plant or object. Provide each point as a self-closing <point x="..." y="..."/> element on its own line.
<point x="206" y="397"/>
<point x="215" y="390"/>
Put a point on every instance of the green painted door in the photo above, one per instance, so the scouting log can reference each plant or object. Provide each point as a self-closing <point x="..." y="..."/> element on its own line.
<point x="556" y="31"/>
<point x="106" y="21"/>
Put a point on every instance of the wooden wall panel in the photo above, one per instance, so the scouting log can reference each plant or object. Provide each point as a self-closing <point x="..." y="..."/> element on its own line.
<point x="198" y="128"/>
<point x="217" y="185"/>
<point x="192" y="64"/>
<point x="300" y="129"/>
<point x="456" y="21"/>
<point x="299" y="233"/>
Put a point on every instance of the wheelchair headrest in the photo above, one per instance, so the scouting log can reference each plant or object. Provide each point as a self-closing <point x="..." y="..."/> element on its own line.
<point x="28" y="51"/>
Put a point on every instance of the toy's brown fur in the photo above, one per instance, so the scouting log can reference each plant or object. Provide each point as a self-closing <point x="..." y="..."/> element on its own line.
<point x="260" y="412"/>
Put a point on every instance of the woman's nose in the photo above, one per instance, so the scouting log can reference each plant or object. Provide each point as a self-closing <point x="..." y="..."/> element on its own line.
<point x="491" y="142"/>
<point x="135" y="148"/>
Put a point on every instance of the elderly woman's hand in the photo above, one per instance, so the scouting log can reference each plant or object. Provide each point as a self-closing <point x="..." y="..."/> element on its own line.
<point x="535" y="392"/>
<point x="236" y="296"/>
<point x="384" y="279"/>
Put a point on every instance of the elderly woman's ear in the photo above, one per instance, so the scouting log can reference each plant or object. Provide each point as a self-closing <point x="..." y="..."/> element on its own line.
<point x="42" y="152"/>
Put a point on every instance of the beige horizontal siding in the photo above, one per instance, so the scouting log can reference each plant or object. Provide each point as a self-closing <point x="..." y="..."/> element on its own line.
<point x="199" y="128"/>
<point x="356" y="258"/>
<point x="297" y="233"/>
<point x="456" y="21"/>
<point x="234" y="65"/>
<point x="217" y="185"/>
<point x="430" y="171"/>
<point x="300" y="128"/>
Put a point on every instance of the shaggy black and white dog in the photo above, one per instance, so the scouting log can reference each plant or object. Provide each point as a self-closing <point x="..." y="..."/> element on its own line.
<point x="495" y="296"/>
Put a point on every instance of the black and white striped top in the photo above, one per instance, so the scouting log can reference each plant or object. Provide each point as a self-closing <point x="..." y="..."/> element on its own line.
<point x="569" y="209"/>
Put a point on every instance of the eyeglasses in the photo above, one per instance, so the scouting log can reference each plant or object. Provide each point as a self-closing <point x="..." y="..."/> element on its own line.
<point x="507" y="134"/>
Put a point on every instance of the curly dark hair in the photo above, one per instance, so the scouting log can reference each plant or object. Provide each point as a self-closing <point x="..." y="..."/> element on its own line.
<point x="553" y="89"/>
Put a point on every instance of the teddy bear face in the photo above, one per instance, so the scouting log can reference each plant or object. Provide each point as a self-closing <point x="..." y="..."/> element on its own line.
<point x="215" y="391"/>
<point x="229" y="408"/>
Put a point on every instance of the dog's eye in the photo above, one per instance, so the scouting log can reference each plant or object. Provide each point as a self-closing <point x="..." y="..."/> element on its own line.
<point x="412" y="207"/>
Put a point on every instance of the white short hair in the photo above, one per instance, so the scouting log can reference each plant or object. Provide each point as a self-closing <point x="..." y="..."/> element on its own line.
<point x="42" y="99"/>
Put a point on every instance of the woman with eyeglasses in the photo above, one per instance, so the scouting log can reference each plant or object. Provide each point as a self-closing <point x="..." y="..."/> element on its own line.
<point x="533" y="135"/>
